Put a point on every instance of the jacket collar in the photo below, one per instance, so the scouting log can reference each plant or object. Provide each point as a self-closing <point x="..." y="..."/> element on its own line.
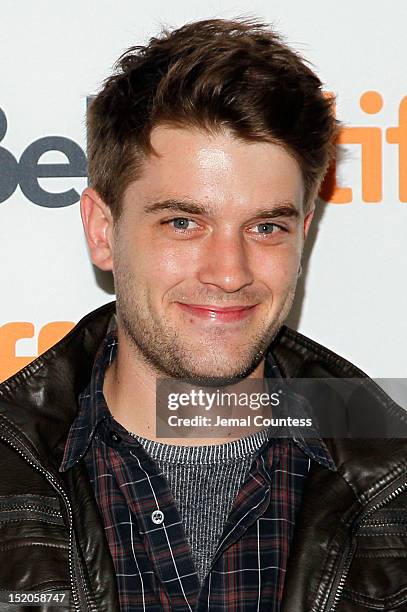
<point x="93" y="410"/>
<point x="40" y="401"/>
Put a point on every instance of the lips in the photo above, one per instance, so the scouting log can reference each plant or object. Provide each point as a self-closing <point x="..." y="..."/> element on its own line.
<point x="217" y="313"/>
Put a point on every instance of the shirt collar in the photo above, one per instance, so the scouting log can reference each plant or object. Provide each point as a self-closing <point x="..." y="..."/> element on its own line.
<point x="92" y="405"/>
<point x="93" y="410"/>
<point x="312" y="445"/>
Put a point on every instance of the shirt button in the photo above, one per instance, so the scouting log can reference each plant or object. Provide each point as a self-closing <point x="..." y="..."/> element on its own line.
<point x="115" y="437"/>
<point x="157" y="517"/>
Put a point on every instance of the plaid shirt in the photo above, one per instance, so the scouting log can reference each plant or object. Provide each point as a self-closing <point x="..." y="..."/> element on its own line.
<point x="151" y="555"/>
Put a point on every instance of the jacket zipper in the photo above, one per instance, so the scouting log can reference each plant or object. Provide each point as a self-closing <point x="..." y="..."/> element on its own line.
<point x="347" y="557"/>
<point x="29" y="506"/>
<point x="342" y="574"/>
<point x="27" y="456"/>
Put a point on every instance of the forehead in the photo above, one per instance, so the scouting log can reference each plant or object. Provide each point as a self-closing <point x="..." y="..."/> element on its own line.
<point x="219" y="169"/>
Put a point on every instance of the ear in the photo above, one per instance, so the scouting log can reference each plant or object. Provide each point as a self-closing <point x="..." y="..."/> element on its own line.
<point x="307" y="221"/>
<point x="98" y="225"/>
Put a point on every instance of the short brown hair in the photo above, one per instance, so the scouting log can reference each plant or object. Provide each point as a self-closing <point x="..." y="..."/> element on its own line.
<point x="211" y="74"/>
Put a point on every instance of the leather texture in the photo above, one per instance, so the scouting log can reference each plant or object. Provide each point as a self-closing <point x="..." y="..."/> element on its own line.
<point x="349" y="551"/>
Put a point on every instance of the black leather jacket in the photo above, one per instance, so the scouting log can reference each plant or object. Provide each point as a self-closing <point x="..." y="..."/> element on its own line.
<point x="349" y="551"/>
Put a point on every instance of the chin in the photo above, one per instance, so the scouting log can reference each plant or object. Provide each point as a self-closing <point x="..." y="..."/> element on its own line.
<point x="221" y="374"/>
<point x="213" y="380"/>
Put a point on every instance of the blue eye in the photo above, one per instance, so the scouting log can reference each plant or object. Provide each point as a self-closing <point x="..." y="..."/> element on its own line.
<point x="267" y="228"/>
<point x="180" y="223"/>
<point x="183" y="223"/>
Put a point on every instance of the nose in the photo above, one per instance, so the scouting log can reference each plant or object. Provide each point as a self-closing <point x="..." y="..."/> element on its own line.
<point x="225" y="263"/>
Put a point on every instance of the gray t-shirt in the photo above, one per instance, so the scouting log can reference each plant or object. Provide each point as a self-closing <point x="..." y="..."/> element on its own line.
<point x="204" y="481"/>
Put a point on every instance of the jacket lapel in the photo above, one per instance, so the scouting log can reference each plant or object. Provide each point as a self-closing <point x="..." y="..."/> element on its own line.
<point x="320" y="535"/>
<point x="92" y="546"/>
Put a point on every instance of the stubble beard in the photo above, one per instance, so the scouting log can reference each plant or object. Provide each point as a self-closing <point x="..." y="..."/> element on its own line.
<point x="161" y="347"/>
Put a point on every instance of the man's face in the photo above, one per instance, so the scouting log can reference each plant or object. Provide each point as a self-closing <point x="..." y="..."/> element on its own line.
<point x="206" y="253"/>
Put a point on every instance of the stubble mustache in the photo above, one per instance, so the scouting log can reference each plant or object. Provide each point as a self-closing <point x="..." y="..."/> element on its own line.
<point x="240" y="298"/>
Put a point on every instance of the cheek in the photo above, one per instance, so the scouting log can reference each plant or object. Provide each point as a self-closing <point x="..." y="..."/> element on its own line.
<point x="278" y="269"/>
<point x="166" y="264"/>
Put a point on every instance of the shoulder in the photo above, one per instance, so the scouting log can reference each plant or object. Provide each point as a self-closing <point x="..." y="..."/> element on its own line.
<point x="300" y="356"/>
<point x="379" y="444"/>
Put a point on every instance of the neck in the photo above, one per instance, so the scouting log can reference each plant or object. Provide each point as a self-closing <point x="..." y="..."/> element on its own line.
<point x="130" y="392"/>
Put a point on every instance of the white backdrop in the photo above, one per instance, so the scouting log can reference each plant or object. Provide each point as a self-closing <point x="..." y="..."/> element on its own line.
<point x="353" y="295"/>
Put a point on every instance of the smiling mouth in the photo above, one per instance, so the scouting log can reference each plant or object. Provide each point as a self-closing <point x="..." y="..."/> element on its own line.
<point x="217" y="313"/>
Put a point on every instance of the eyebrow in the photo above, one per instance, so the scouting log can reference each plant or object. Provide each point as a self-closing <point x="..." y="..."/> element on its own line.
<point x="282" y="209"/>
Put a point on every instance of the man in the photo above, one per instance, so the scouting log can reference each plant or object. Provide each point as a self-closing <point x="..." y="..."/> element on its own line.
<point x="207" y="149"/>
